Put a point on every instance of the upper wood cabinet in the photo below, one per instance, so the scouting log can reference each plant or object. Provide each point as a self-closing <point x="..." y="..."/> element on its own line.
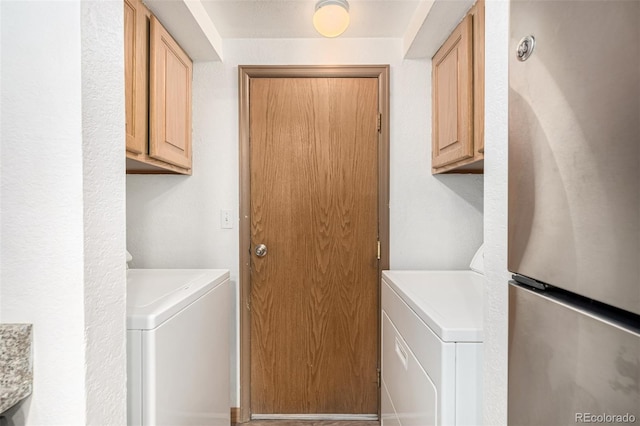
<point x="158" y="77"/>
<point x="458" y="98"/>
<point x="136" y="51"/>
<point x="170" y="99"/>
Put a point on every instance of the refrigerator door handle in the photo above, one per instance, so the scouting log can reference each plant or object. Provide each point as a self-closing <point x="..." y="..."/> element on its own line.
<point x="529" y="282"/>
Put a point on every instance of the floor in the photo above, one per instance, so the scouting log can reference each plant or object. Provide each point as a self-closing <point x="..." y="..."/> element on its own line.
<point x="310" y="423"/>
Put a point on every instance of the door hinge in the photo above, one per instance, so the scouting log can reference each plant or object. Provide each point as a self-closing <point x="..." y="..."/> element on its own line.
<point x="379" y="122"/>
<point x="379" y="250"/>
<point x="379" y="378"/>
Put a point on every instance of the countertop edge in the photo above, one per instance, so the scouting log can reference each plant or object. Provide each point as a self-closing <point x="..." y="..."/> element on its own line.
<point x="16" y="371"/>
<point x="12" y="395"/>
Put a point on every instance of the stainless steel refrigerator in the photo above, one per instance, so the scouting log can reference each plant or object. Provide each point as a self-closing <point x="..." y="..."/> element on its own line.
<point x="574" y="212"/>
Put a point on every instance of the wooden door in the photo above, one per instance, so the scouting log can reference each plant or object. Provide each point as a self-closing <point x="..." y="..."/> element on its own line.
<point x="453" y="97"/>
<point x="314" y="204"/>
<point x="169" y="98"/>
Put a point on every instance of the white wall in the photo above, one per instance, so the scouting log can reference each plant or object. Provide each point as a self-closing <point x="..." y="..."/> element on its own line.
<point x="103" y="140"/>
<point x="174" y="221"/>
<point x="62" y="242"/>
<point x="495" y="213"/>
<point x="1" y="92"/>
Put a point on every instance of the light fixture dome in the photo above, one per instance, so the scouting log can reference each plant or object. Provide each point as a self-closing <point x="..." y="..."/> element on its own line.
<point x="331" y="17"/>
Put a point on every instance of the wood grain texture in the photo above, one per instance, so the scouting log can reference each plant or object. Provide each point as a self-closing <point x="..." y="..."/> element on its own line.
<point x="478" y="78"/>
<point x="472" y="159"/>
<point x="314" y="202"/>
<point x="169" y="99"/>
<point x="140" y="104"/>
<point x="235" y="415"/>
<point x="453" y="97"/>
<point x="136" y="71"/>
<point x="245" y="74"/>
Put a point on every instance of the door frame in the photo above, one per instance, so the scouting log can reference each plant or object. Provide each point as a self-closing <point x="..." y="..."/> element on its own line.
<point x="245" y="74"/>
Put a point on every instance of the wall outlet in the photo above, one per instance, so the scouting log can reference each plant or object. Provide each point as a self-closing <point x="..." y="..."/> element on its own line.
<point x="225" y="219"/>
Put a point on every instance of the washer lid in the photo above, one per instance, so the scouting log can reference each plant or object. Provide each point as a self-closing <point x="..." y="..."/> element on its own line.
<point x="155" y="295"/>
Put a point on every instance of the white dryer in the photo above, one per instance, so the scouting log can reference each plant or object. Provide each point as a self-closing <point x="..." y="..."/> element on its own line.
<point x="432" y="346"/>
<point x="178" y="346"/>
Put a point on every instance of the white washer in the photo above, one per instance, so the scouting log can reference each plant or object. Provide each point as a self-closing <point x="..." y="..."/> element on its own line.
<point x="178" y="346"/>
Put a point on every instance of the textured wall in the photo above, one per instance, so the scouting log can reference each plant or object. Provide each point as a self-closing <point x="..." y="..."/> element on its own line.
<point x="173" y="221"/>
<point x="103" y="140"/>
<point x="62" y="245"/>
<point x="495" y="213"/>
<point x="42" y="235"/>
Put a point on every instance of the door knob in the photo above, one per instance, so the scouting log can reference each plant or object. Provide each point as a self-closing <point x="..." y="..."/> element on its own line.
<point x="261" y="250"/>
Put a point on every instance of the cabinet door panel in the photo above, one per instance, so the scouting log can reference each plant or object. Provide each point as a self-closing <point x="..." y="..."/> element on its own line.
<point x="176" y="102"/>
<point x="136" y="73"/>
<point x="448" y="132"/>
<point x="478" y="77"/>
<point x="453" y="97"/>
<point x="170" y="99"/>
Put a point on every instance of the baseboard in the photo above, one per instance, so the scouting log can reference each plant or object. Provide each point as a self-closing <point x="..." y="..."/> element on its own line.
<point x="317" y="417"/>
<point x="235" y="414"/>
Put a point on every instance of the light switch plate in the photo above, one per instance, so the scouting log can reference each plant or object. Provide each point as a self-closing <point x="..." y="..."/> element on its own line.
<point x="225" y="219"/>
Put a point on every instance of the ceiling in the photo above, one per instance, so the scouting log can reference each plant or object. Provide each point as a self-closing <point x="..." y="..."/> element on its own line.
<point x="293" y="18"/>
<point x="200" y="26"/>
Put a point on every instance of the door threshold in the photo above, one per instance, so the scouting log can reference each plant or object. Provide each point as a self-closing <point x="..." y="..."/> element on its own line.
<point x="333" y="417"/>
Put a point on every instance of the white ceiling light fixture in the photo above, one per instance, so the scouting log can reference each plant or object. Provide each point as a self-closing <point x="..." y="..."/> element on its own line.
<point x="331" y="17"/>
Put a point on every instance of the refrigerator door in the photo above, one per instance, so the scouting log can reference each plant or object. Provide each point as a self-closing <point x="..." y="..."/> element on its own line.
<point x="574" y="148"/>
<point x="565" y="375"/>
